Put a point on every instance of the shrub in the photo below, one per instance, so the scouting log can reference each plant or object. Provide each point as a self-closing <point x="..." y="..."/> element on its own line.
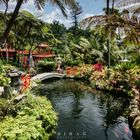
<point x="137" y="83"/>
<point x="99" y="79"/>
<point x="124" y="66"/>
<point x="72" y="62"/>
<point x="5" y="68"/>
<point x="85" y="71"/>
<point x="46" y="66"/>
<point x="122" y="78"/>
<point x="34" y="119"/>
<point x="4" y="81"/>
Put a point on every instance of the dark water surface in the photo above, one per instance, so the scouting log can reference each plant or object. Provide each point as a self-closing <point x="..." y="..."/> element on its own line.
<point x="85" y="114"/>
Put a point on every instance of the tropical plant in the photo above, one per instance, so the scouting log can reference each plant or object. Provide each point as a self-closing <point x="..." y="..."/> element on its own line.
<point x="4" y="70"/>
<point x="46" y="66"/>
<point x="84" y="51"/>
<point x="113" y="20"/>
<point x="75" y="12"/>
<point x="122" y="78"/>
<point x="32" y="118"/>
<point x="35" y="32"/>
<point x="84" y="71"/>
<point x="39" y="4"/>
<point x="58" y="30"/>
<point x="32" y="34"/>
<point x="98" y="79"/>
<point x="4" y="81"/>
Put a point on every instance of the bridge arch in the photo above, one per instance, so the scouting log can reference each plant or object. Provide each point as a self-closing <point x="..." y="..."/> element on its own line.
<point x="44" y="76"/>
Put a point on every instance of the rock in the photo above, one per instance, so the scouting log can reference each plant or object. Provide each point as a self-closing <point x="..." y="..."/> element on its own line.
<point x="135" y="110"/>
<point x="133" y="107"/>
<point x="136" y="126"/>
<point x="13" y="74"/>
<point x="15" y="92"/>
<point x="136" y="123"/>
<point x="133" y="115"/>
<point x="134" y="119"/>
<point x="19" y="98"/>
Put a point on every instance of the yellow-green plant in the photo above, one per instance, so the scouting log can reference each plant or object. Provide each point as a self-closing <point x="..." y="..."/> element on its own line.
<point x="31" y="118"/>
<point x="4" y="81"/>
<point x="85" y="71"/>
<point x="99" y="79"/>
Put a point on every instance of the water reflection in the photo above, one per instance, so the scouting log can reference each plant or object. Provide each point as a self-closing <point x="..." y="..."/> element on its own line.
<point x="86" y="114"/>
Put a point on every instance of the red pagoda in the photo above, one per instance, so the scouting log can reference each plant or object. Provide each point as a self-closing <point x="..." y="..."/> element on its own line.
<point x="42" y="51"/>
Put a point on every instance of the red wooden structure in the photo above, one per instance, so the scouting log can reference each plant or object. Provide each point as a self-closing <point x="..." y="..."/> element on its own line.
<point x="41" y="52"/>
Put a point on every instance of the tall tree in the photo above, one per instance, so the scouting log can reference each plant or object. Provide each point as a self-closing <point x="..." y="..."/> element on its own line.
<point x="39" y="4"/>
<point x="108" y="45"/>
<point x="11" y="21"/>
<point x="75" y="12"/>
<point x="5" y="20"/>
<point x="58" y="29"/>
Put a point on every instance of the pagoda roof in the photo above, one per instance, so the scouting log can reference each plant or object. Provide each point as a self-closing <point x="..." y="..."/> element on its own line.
<point x="44" y="55"/>
<point x="26" y="52"/>
<point x="8" y="50"/>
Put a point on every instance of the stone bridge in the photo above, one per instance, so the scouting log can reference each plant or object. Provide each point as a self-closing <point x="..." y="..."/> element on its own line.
<point x="44" y="76"/>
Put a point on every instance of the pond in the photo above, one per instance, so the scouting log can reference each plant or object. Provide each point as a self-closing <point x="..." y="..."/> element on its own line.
<point x="86" y="114"/>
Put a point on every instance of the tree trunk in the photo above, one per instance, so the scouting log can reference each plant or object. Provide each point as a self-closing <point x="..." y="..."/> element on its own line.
<point x="5" y="41"/>
<point x="113" y="2"/>
<point x="107" y="7"/>
<point x="11" y="21"/>
<point x="6" y="4"/>
<point x="108" y="45"/>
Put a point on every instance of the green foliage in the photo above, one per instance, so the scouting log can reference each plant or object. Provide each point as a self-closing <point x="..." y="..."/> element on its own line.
<point x="2" y="102"/>
<point x="46" y="66"/>
<point x="4" y="81"/>
<point x="75" y="12"/>
<point x="4" y="69"/>
<point x="99" y="79"/>
<point x="84" y="71"/>
<point x="85" y="51"/>
<point x="57" y="29"/>
<point x="137" y="83"/>
<point x="34" y="119"/>
<point x="71" y="62"/>
<point x="124" y="66"/>
<point x="121" y="79"/>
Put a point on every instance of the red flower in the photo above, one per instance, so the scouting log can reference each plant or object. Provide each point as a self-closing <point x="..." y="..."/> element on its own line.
<point x="98" y="67"/>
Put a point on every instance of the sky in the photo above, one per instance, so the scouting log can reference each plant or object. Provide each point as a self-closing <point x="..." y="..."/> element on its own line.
<point x="51" y="13"/>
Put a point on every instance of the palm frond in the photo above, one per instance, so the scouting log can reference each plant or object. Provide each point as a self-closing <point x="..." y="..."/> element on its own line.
<point x="40" y="3"/>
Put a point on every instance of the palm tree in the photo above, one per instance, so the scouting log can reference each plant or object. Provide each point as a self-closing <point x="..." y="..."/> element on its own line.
<point x="87" y="50"/>
<point x="39" y="4"/>
<point x="115" y="20"/>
